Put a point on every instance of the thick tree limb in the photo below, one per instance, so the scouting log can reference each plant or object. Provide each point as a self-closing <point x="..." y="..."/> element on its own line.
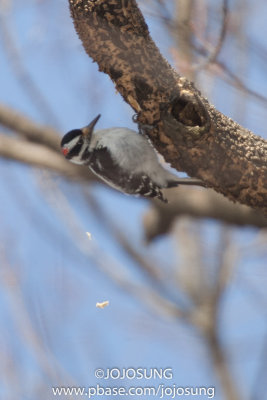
<point x="41" y="150"/>
<point x="189" y="132"/>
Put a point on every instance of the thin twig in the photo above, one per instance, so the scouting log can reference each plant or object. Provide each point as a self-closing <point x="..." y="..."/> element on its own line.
<point x="24" y="77"/>
<point x="214" y="54"/>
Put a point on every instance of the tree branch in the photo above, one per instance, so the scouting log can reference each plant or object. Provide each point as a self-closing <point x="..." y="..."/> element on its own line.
<point x="212" y="57"/>
<point x="28" y="129"/>
<point x="41" y="150"/>
<point x="41" y="157"/>
<point x="199" y="204"/>
<point x="189" y="132"/>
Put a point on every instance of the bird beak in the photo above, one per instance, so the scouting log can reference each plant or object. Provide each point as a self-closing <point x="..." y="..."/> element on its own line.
<point x="87" y="130"/>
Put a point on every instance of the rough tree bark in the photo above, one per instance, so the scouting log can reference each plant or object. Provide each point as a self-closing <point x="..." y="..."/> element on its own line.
<point x="189" y="132"/>
<point x="38" y="145"/>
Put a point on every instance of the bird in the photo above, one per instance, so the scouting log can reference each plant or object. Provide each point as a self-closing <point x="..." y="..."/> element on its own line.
<point x="121" y="157"/>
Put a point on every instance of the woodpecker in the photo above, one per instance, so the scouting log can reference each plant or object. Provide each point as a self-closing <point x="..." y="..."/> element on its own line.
<point x="121" y="157"/>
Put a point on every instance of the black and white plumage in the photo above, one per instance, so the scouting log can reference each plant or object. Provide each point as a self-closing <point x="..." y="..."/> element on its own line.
<point x="121" y="157"/>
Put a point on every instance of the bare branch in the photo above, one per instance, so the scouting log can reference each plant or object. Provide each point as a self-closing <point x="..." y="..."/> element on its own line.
<point x="38" y="151"/>
<point x="27" y="128"/>
<point x="204" y="52"/>
<point x="190" y="133"/>
<point x="214" y="54"/>
<point x="41" y="157"/>
<point x="22" y="74"/>
<point x="200" y="204"/>
<point x="112" y="268"/>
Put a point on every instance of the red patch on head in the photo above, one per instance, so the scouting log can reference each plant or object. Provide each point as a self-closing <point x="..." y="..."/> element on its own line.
<point x="65" y="151"/>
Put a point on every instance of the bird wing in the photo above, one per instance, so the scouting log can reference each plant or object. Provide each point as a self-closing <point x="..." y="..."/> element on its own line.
<point x="104" y="166"/>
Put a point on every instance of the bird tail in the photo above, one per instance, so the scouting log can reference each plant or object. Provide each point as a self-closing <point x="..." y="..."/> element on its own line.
<point x="171" y="184"/>
<point x="185" y="181"/>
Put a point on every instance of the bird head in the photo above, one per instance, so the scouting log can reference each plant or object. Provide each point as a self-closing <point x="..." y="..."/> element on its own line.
<point x="76" y="142"/>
